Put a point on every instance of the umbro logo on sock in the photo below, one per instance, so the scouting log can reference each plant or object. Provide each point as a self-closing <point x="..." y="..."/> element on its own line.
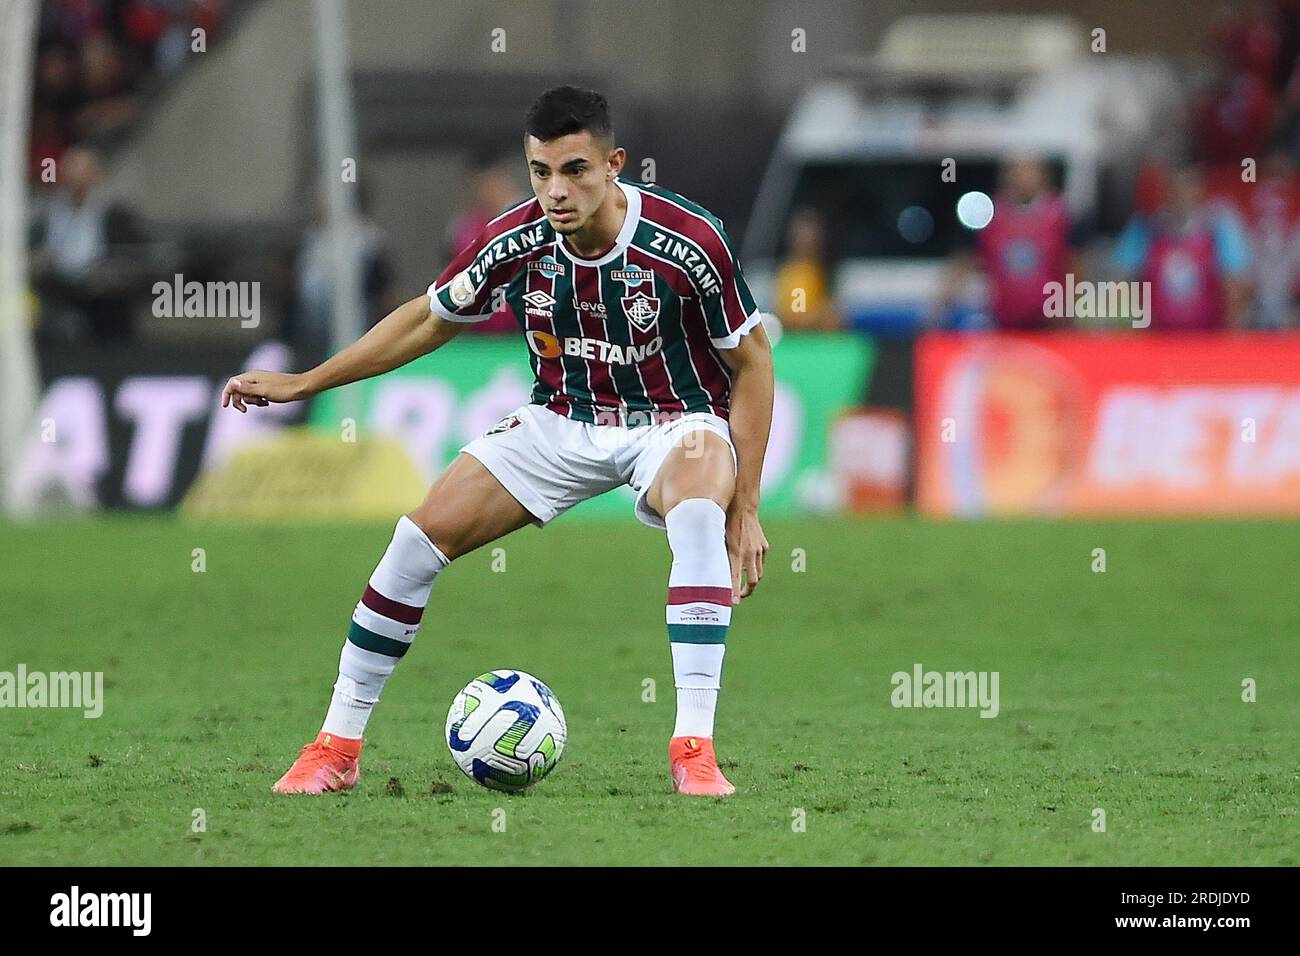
<point x="700" y="612"/>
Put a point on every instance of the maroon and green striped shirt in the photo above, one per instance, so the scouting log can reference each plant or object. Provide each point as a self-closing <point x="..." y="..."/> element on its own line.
<point x="628" y="338"/>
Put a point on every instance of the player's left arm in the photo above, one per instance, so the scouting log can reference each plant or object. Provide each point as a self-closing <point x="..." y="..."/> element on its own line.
<point x="752" y="390"/>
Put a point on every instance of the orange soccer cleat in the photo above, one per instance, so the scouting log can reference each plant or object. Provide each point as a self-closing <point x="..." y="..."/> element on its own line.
<point x="695" y="768"/>
<point x="328" y="763"/>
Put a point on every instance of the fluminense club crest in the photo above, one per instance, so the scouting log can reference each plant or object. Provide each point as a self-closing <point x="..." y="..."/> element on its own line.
<point x="641" y="310"/>
<point x="507" y="423"/>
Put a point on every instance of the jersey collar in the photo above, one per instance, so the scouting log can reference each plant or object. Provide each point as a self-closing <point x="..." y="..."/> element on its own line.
<point x="624" y="239"/>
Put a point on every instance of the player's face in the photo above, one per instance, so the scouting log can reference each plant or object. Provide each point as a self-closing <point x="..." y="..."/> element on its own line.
<point x="571" y="177"/>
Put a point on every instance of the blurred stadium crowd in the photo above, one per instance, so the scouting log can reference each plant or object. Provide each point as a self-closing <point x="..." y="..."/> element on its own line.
<point x="98" y="62"/>
<point x="1220" y="243"/>
<point x="1167" y="165"/>
<point x="1221" y="247"/>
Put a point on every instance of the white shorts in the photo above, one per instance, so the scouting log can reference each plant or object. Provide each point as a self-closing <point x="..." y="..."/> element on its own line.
<point x="550" y="463"/>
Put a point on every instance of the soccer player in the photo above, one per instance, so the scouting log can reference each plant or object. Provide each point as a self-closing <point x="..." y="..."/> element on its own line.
<point x="651" y="369"/>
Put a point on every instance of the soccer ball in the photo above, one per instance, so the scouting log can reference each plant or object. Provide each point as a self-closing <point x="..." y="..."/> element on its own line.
<point x="506" y="730"/>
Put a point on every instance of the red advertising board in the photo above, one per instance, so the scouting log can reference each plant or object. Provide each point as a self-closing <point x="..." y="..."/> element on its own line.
<point x="1125" y="424"/>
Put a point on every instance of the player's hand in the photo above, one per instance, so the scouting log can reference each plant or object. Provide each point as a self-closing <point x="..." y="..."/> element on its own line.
<point x="746" y="546"/>
<point x="256" y="387"/>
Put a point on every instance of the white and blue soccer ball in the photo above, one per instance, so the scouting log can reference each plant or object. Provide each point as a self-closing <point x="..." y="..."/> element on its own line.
<point x="506" y="730"/>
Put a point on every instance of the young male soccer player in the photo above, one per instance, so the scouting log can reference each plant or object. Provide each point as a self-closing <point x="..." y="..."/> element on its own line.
<point x="651" y="369"/>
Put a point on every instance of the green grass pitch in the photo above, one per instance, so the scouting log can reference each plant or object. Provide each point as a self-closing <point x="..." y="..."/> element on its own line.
<point x="1119" y="690"/>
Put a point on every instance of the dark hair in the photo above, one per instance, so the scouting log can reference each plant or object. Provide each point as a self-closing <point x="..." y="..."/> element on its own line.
<point x="567" y="109"/>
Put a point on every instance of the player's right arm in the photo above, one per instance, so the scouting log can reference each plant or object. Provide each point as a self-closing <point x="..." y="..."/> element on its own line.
<point x="459" y="297"/>
<point x="406" y="333"/>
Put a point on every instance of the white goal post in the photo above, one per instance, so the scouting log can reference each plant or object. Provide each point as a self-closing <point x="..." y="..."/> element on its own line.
<point x="18" y="373"/>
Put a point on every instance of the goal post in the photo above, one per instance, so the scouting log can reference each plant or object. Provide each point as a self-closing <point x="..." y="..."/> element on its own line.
<point x="18" y="372"/>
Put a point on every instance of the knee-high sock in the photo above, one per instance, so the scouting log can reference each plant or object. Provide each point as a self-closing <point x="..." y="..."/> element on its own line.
<point x="384" y="625"/>
<point x="699" y="610"/>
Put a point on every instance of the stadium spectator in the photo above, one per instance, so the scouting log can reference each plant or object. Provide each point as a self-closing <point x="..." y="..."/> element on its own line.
<point x="801" y="287"/>
<point x="161" y="30"/>
<point x="84" y="265"/>
<point x="1151" y="187"/>
<point x="1271" y="210"/>
<point x="1234" y="116"/>
<point x="494" y="188"/>
<point x="1288" y="29"/>
<point x="1195" y="255"/>
<point x="97" y="57"/>
<point x="74" y="20"/>
<point x="55" y="100"/>
<point x="311" y="323"/>
<point x="107" y="83"/>
<point x="1028" y="243"/>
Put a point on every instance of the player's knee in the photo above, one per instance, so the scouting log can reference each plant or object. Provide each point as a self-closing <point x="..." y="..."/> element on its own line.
<point x="444" y="535"/>
<point x="673" y="497"/>
<point x="706" y="467"/>
<point x="701" y="468"/>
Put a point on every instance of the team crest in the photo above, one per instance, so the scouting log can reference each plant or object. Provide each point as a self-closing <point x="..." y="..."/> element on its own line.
<point x="641" y="310"/>
<point x="507" y="423"/>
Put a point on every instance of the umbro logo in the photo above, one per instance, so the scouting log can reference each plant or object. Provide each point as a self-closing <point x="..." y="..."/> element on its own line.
<point x="700" y="612"/>
<point x="539" y="299"/>
<point x="538" y="303"/>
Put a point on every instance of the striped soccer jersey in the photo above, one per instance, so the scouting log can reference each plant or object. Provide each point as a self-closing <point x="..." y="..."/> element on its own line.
<point x="632" y="337"/>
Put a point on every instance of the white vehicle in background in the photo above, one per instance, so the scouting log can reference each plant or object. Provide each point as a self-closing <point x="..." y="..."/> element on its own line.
<point x="867" y="148"/>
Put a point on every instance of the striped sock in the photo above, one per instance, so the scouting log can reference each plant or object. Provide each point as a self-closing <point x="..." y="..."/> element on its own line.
<point x="384" y="625"/>
<point x="699" y="610"/>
